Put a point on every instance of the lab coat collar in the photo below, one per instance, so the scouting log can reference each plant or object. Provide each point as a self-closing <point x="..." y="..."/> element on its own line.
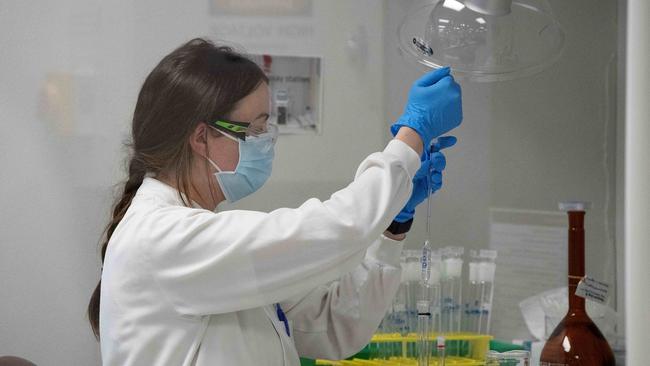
<point x="152" y="187"/>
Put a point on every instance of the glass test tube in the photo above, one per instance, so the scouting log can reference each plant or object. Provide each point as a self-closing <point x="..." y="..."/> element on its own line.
<point x="434" y="289"/>
<point x="470" y="318"/>
<point x="451" y="289"/>
<point x="486" y="271"/>
<point x="411" y="280"/>
<point x="440" y="350"/>
<point x="399" y="319"/>
<point x="428" y="305"/>
<point x="478" y="308"/>
<point x="424" y="332"/>
<point x="387" y="328"/>
<point x="424" y="306"/>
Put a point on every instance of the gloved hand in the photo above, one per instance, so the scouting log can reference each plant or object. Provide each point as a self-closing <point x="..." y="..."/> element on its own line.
<point x="434" y="106"/>
<point x="433" y="163"/>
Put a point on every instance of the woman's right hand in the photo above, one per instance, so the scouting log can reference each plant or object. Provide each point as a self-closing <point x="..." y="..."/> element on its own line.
<point x="434" y="106"/>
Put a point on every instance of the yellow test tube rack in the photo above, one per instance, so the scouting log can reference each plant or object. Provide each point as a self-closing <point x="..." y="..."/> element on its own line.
<point x="461" y="349"/>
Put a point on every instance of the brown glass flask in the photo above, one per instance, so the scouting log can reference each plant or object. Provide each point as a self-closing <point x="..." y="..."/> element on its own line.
<point x="576" y="340"/>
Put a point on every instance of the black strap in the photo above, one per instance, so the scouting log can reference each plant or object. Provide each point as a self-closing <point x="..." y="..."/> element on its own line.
<point x="397" y="228"/>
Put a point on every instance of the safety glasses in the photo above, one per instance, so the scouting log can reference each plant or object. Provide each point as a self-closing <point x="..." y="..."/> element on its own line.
<point x="242" y="130"/>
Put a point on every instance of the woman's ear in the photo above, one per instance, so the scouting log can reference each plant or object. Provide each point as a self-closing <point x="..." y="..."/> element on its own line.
<point x="199" y="140"/>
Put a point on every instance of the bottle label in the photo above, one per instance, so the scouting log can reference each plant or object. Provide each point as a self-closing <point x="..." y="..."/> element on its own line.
<point x="592" y="289"/>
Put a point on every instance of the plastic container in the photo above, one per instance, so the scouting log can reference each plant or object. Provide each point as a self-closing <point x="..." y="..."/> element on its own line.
<point x="510" y="358"/>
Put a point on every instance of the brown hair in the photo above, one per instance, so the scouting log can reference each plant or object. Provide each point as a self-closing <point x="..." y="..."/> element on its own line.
<point x="198" y="81"/>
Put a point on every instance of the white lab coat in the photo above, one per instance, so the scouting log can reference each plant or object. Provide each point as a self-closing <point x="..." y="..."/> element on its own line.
<point x="185" y="286"/>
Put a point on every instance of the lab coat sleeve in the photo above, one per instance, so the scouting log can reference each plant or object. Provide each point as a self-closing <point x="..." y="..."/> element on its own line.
<point x="336" y="320"/>
<point x="207" y="263"/>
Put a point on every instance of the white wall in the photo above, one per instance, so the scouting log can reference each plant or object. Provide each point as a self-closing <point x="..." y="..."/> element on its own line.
<point x="59" y="166"/>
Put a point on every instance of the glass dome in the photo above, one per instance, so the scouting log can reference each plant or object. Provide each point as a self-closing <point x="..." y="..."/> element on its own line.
<point x="487" y="40"/>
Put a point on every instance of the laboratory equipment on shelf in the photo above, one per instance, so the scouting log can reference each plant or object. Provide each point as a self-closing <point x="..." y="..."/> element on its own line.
<point x="576" y="337"/>
<point x="478" y="307"/>
<point x="451" y="289"/>
<point x="487" y="40"/>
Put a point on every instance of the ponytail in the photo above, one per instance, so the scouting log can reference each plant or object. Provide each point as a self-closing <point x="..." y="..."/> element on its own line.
<point x="137" y="171"/>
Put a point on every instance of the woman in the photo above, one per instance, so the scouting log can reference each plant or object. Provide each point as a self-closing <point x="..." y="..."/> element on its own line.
<point x="183" y="285"/>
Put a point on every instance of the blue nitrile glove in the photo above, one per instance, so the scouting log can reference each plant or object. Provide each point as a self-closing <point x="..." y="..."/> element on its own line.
<point x="434" y="106"/>
<point x="431" y="159"/>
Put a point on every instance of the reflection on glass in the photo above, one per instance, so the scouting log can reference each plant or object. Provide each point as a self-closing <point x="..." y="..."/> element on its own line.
<point x="523" y="40"/>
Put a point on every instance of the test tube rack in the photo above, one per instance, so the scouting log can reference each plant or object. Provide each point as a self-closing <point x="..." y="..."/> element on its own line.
<point x="462" y="349"/>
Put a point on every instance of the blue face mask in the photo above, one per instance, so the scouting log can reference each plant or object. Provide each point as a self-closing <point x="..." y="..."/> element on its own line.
<point x="253" y="169"/>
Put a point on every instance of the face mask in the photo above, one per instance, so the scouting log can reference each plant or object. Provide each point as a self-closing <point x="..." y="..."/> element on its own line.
<point x="252" y="171"/>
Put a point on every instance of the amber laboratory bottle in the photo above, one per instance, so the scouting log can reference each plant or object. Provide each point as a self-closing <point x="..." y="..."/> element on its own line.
<point x="576" y="340"/>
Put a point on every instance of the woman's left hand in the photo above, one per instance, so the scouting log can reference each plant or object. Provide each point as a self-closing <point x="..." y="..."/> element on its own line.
<point x="433" y="163"/>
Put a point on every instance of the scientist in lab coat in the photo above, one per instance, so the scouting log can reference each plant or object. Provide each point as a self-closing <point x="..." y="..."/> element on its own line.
<point x="183" y="284"/>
